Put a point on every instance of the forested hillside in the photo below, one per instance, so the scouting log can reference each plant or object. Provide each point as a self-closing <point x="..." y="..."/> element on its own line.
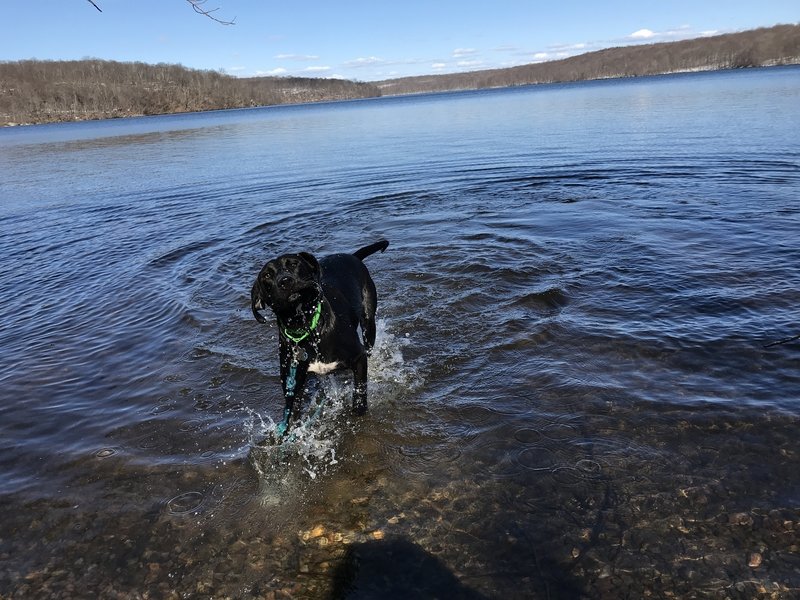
<point x="34" y="91"/>
<point x="757" y="47"/>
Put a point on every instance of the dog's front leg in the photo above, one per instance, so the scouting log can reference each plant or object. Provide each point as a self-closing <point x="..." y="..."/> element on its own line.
<point x="360" y="384"/>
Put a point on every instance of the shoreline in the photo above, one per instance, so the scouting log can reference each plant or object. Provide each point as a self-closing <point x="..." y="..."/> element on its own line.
<point x="120" y="114"/>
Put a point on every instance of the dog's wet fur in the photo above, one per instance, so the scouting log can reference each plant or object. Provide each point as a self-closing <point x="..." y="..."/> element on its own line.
<point x="337" y="287"/>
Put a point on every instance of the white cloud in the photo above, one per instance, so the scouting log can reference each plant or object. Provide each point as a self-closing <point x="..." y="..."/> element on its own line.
<point x="278" y="71"/>
<point x="642" y="34"/>
<point x="505" y="55"/>
<point x="670" y="35"/>
<point x="364" y="61"/>
<point x="316" y="69"/>
<point x="508" y="48"/>
<point x="568" y="47"/>
<point x="300" y="57"/>
<point x="462" y="52"/>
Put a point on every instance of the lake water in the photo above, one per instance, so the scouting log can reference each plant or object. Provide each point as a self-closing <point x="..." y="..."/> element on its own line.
<point x="570" y="395"/>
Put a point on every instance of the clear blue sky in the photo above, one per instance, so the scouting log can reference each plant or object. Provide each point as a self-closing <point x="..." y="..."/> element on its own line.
<point x="363" y="40"/>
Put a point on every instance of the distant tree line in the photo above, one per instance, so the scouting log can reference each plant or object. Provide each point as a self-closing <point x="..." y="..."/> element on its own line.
<point x="34" y="91"/>
<point x="777" y="45"/>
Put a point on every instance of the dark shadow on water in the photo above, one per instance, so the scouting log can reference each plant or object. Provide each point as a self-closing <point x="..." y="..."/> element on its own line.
<point x="394" y="569"/>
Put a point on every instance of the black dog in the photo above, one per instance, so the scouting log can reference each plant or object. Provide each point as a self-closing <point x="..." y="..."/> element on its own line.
<point x="319" y="306"/>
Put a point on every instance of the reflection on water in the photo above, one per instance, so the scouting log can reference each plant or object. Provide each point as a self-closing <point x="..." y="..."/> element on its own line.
<point x="569" y="396"/>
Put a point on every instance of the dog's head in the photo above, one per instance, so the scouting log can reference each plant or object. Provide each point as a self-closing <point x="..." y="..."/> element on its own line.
<point x="286" y="284"/>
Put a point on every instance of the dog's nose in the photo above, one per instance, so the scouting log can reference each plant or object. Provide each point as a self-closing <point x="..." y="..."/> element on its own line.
<point x="284" y="282"/>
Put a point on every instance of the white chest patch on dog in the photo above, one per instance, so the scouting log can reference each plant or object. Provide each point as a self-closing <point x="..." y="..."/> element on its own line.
<point x="321" y="368"/>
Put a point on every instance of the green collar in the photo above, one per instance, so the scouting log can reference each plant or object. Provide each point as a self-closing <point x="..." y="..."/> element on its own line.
<point x="298" y="335"/>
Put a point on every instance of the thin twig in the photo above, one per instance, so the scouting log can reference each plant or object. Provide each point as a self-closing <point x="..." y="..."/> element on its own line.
<point x="786" y="341"/>
<point x="197" y="5"/>
<point x="198" y="8"/>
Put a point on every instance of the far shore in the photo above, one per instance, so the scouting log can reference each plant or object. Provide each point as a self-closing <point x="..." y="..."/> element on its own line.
<point x="72" y="117"/>
<point x="34" y="92"/>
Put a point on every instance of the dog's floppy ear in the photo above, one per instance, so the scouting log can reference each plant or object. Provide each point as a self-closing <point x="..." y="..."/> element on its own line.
<point x="257" y="302"/>
<point x="312" y="262"/>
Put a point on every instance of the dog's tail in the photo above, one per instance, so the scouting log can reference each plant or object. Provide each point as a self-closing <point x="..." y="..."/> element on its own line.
<point x="371" y="249"/>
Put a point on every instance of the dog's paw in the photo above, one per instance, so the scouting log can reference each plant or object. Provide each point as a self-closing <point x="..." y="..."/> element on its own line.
<point x="273" y="437"/>
<point x="266" y="441"/>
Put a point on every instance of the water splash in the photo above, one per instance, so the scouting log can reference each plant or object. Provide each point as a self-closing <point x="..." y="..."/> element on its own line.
<point x="311" y="447"/>
<point x="388" y="371"/>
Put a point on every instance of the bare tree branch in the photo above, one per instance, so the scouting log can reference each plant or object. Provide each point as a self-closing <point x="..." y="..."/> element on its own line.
<point x="197" y="5"/>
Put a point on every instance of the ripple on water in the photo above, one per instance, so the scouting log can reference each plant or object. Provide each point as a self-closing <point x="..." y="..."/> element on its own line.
<point x="496" y="459"/>
<point x="560" y="431"/>
<point x="537" y="458"/>
<point x="106" y="452"/>
<point x="554" y="431"/>
<point x="190" y="425"/>
<point x="428" y="458"/>
<point x="527" y="435"/>
<point x="185" y="503"/>
<point x="147" y="442"/>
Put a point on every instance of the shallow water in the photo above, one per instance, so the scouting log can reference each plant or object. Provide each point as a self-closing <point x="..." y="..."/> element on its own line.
<point x="570" y="395"/>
